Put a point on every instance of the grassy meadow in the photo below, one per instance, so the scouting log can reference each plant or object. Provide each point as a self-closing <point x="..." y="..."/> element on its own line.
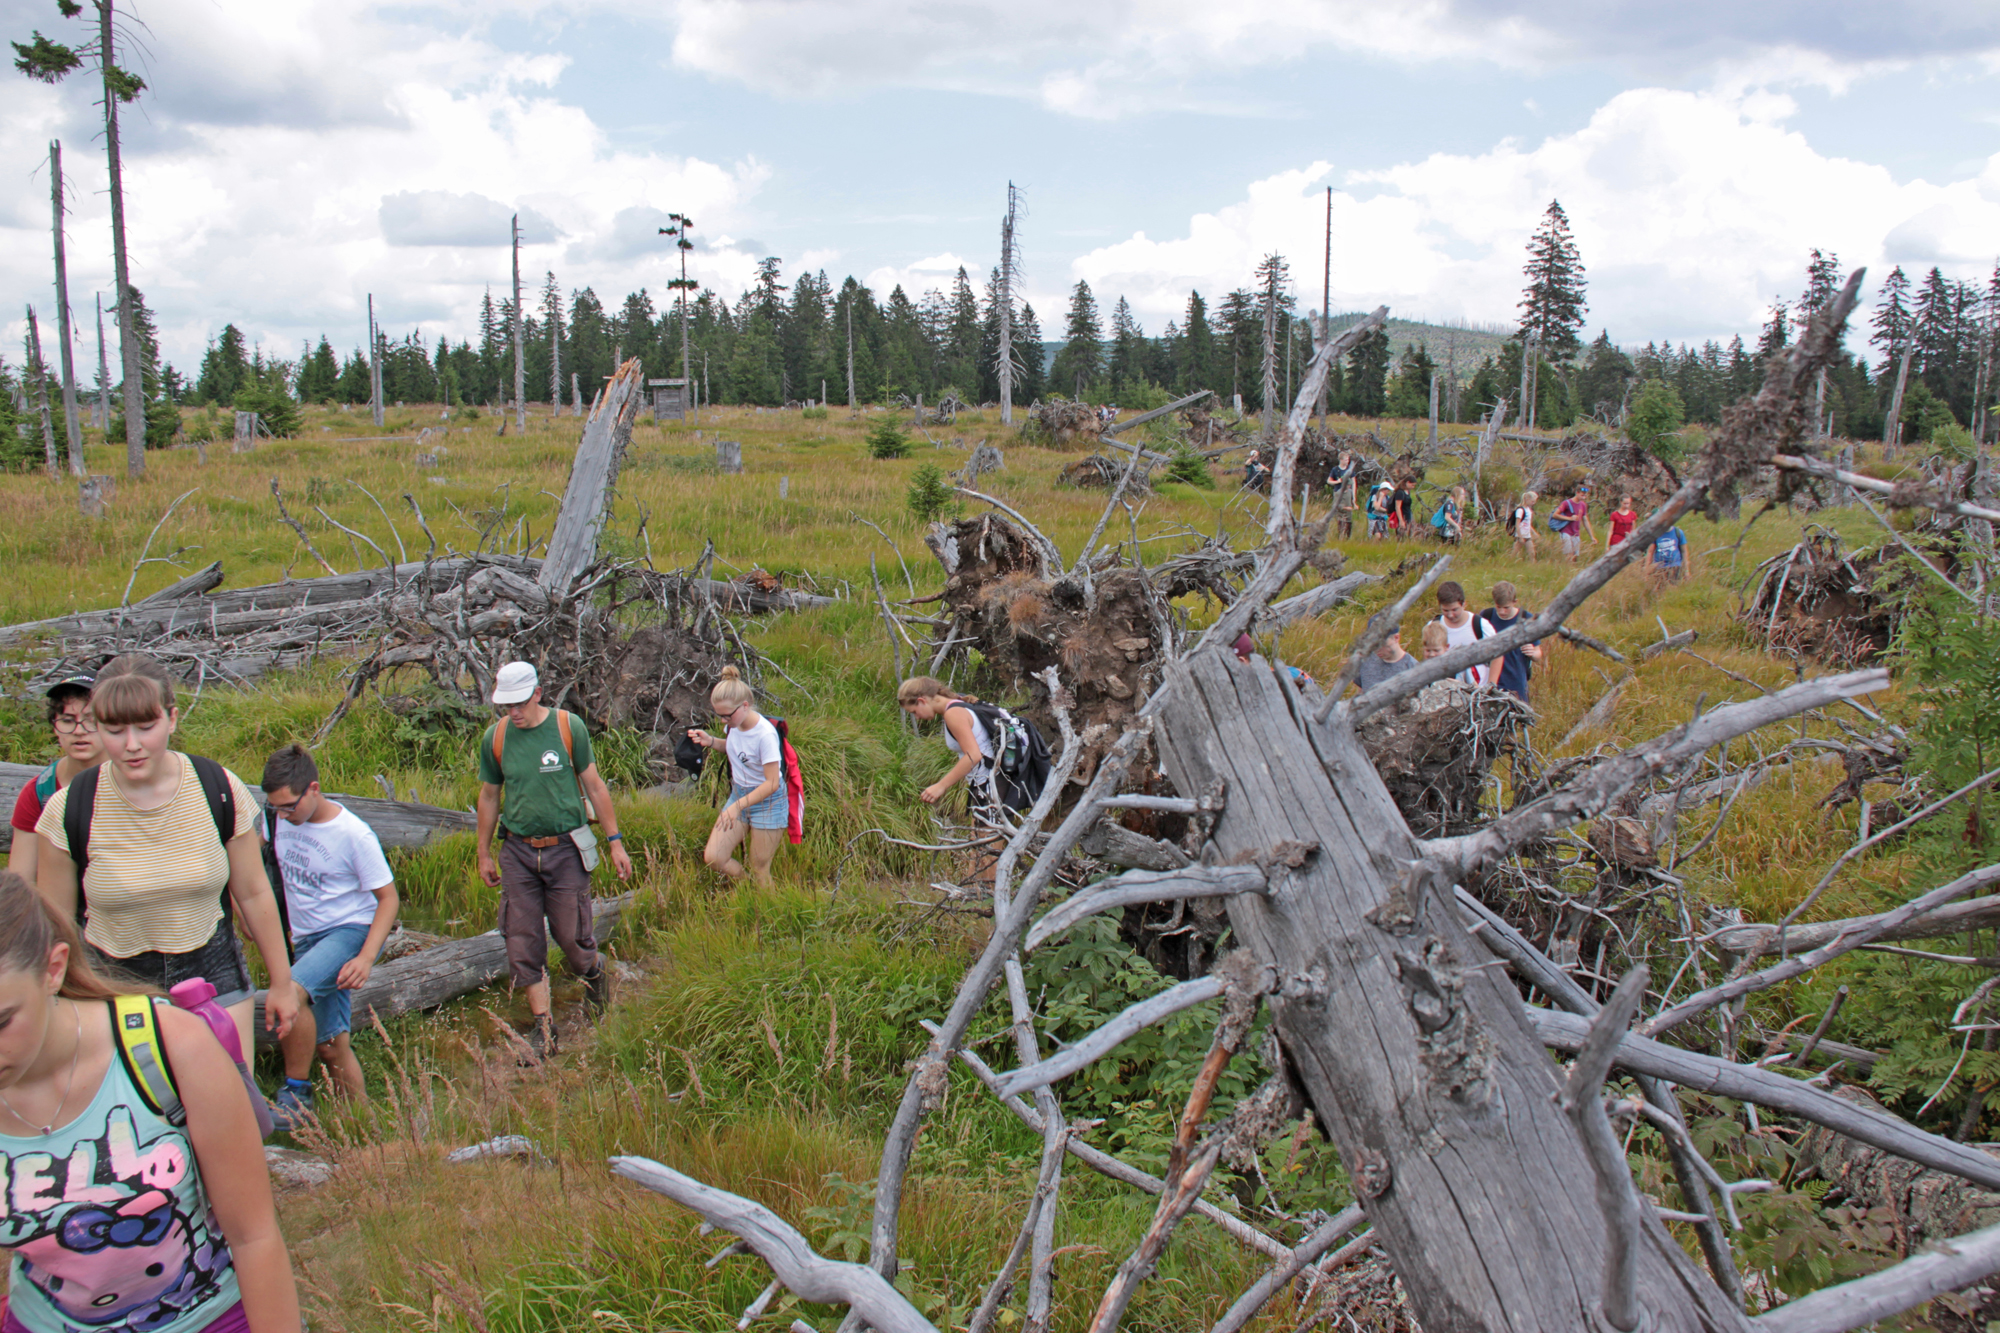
<point x="759" y="1038"/>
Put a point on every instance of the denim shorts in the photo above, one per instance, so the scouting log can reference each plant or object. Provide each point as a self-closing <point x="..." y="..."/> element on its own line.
<point x="773" y="812"/>
<point x="219" y="961"/>
<point x="317" y="968"/>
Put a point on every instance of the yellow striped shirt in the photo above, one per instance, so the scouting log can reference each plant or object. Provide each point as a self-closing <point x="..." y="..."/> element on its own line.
<point x="156" y="877"/>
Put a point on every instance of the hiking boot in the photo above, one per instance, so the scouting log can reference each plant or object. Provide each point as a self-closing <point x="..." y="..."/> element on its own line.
<point x="541" y="1039"/>
<point x="291" y="1108"/>
<point x="597" y="990"/>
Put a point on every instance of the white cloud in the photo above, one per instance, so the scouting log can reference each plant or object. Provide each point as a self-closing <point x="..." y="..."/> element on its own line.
<point x="1158" y="54"/>
<point x="284" y="223"/>
<point x="936" y="271"/>
<point x="1692" y="212"/>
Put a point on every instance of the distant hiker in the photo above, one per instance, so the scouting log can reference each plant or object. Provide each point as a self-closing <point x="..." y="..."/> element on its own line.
<point x="1668" y="559"/>
<point x="155" y="852"/>
<point x="1460" y="627"/>
<point x="1399" y="509"/>
<point x="1341" y="481"/>
<point x="77" y="738"/>
<point x="138" y="1197"/>
<point x="542" y="757"/>
<point x="342" y="904"/>
<point x="1254" y="471"/>
<point x="1572" y="518"/>
<point x="1521" y="524"/>
<point x="1378" y="510"/>
<point x="757" y="807"/>
<point x="1384" y="663"/>
<point x="1516" y="665"/>
<point x="1623" y="519"/>
<point x="1448" y="521"/>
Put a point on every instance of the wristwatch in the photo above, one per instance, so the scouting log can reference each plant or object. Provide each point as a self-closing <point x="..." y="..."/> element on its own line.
<point x="614" y="837"/>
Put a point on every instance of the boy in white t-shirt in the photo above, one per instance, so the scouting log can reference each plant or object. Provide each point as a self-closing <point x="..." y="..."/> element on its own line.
<point x="342" y="900"/>
<point x="1521" y="525"/>
<point x="1461" y="627"/>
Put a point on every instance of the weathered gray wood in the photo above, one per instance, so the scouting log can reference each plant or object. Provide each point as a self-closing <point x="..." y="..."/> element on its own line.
<point x="1414" y="1051"/>
<point x="157" y="613"/>
<point x="1112" y="428"/>
<point x="1954" y="1264"/>
<point x="1314" y="601"/>
<point x="1756" y="937"/>
<point x="93" y="495"/>
<point x="204" y="580"/>
<point x="728" y="456"/>
<point x="587" y="498"/>
<point x="742" y="597"/>
<point x="1141" y="886"/>
<point x="1722" y="1078"/>
<point x="396" y="823"/>
<point x="791" y="1258"/>
<point x="1260" y="1292"/>
<point x="435" y="976"/>
<point x="1112" y="842"/>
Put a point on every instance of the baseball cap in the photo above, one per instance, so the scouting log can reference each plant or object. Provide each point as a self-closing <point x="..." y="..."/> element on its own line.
<point x="82" y="684"/>
<point x="515" y="684"/>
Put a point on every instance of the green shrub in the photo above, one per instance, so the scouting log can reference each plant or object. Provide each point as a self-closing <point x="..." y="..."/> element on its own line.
<point x="888" y="439"/>
<point x="274" y="407"/>
<point x="930" y="493"/>
<point x="814" y="413"/>
<point x="1190" y="467"/>
<point x="1656" y="418"/>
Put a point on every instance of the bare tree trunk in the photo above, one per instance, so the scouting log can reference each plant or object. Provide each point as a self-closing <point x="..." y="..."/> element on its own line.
<point x="555" y="364"/>
<point x="1326" y="302"/>
<point x="38" y="371"/>
<point x="520" y="349"/>
<point x="1003" y="298"/>
<point x="851" y="408"/>
<point x="374" y="365"/>
<point x="103" y="415"/>
<point x="130" y="357"/>
<point x="72" y="428"/>
<point x="1413" y="1050"/>
<point x="1892" y="426"/>
<point x="1268" y="409"/>
<point x="1434" y="412"/>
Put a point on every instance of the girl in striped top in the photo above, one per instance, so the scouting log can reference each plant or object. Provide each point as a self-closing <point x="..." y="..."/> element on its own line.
<point x="151" y="895"/>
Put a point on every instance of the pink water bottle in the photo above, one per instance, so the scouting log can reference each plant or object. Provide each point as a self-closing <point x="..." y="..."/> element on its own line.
<point x="197" y="996"/>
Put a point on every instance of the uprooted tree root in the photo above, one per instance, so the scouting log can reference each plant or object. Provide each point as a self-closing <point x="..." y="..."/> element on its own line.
<point x="1842" y="608"/>
<point x="1434" y="754"/>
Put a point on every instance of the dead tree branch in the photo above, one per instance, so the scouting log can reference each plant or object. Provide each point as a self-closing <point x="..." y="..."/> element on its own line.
<point x="1583" y="1104"/>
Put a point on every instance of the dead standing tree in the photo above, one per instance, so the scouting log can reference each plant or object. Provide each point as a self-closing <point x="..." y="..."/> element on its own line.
<point x="1499" y="1192"/>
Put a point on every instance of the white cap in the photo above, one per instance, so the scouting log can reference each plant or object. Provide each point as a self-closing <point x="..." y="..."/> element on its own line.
<point x="515" y="684"/>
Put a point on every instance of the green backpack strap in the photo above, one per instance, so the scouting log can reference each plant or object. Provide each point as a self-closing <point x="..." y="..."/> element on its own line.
<point x="145" y="1057"/>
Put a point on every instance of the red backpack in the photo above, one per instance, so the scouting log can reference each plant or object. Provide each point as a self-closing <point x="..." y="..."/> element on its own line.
<point x="795" y="784"/>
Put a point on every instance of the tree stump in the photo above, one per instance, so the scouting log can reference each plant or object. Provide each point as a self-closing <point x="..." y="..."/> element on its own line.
<point x="94" y="495"/>
<point x="728" y="456"/>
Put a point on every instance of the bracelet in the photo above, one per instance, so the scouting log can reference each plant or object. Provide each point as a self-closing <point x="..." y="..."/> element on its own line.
<point x="614" y="837"/>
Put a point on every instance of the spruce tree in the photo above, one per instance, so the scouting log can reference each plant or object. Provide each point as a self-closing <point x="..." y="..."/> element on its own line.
<point x="1552" y="306"/>
<point x="1366" y="381"/>
<point x="1034" y="356"/>
<point x="958" y="355"/>
<point x="1080" y="363"/>
<point x="319" y="373"/>
<point x="1195" y="363"/>
<point x="1126" y="366"/>
<point x="1823" y="283"/>
<point x="1891" y="323"/>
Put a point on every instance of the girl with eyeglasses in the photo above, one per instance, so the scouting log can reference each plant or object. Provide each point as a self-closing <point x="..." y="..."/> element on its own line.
<point x="757" y="807"/>
<point x="81" y="746"/>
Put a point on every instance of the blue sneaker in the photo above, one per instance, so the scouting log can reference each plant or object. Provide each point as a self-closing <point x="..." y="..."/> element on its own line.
<point x="291" y="1108"/>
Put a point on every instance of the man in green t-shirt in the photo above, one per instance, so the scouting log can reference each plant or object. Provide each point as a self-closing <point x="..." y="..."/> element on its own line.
<point x="542" y="757"/>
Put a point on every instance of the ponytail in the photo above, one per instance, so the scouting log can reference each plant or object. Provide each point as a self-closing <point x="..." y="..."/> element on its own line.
<point x="928" y="687"/>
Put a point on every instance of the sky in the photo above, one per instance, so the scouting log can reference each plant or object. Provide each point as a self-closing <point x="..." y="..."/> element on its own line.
<point x="288" y="160"/>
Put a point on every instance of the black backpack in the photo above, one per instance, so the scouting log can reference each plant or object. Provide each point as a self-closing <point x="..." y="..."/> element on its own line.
<point x="1022" y="763"/>
<point x="81" y="807"/>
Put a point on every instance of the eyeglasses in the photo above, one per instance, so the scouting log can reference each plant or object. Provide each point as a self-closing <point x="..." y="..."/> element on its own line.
<point x="75" y="722"/>
<point x="731" y="714"/>
<point x="285" y="807"/>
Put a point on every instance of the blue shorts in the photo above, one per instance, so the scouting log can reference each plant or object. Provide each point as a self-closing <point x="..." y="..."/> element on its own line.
<point x="773" y="812"/>
<point x="317" y="968"/>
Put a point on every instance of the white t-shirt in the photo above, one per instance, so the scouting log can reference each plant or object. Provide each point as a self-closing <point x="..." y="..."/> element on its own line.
<point x="331" y="872"/>
<point x="749" y="750"/>
<point x="982" y="770"/>
<point x="1471" y="631"/>
<point x="1524" y="522"/>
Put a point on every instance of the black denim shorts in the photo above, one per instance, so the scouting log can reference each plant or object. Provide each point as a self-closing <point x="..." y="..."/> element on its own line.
<point x="220" y="960"/>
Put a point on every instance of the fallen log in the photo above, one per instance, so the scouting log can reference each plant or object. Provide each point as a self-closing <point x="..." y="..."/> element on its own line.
<point x="435" y="976"/>
<point x="156" y="616"/>
<point x="1114" y="427"/>
<point x="1114" y="844"/>
<point x="396" y="823"/>
<point x="1932" y="1204"/>
<point x="743" y="597"/>
<point x="1313" y="601"/>
<point x="194" y="585"/>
